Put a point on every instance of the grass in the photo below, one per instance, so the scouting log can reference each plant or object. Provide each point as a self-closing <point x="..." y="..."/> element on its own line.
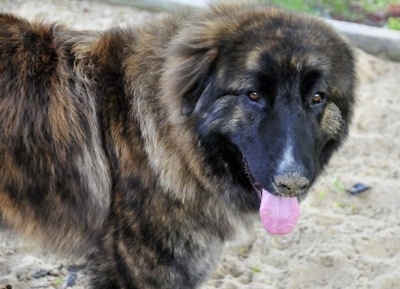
<point x="373" y="12"/>
<point x="393" y="23"/>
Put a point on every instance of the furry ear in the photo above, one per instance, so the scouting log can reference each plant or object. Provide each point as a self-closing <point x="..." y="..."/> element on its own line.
<point x="188" y="72"/>
<point x="191" y="57"/>
<point x="190" y="64"/>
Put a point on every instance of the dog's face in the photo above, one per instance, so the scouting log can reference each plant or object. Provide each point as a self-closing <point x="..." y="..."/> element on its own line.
<point x="272" y="104"/>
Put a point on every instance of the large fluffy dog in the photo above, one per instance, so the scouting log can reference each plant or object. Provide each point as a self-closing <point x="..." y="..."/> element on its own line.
<point x="150" y="147"/>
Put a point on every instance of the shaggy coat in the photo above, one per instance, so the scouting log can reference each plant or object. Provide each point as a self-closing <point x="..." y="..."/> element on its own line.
<point x="148" y="148"/>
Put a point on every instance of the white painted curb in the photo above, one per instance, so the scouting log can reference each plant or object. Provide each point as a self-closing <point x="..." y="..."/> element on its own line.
<point x="374" y="40"/>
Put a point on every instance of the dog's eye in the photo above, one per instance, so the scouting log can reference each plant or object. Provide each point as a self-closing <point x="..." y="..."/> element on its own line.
<point x="317" y="98"/>
<point x="254" y="96"/>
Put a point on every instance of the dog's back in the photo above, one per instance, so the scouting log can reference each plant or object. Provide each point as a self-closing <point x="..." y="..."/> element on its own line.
<point x="54" y="181"/>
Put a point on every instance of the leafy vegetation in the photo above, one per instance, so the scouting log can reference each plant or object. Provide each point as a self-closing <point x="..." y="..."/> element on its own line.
<point x="393" y="23"/>
<point x="371" y="12"/>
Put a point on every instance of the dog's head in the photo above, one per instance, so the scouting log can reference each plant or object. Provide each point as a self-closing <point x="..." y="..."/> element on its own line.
<point x="271" y="95"/>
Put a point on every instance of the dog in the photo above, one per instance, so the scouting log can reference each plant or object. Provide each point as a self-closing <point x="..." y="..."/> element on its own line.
<point x="148" y="148"/>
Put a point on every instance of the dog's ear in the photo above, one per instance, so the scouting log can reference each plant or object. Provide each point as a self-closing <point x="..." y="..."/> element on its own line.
<point x="190" y="65"/>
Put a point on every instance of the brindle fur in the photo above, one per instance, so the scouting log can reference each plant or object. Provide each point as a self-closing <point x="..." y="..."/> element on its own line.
<point x="141" y="146"/>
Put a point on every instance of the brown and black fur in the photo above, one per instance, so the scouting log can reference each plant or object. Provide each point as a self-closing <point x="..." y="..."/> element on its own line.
<point x="145" y="146"/>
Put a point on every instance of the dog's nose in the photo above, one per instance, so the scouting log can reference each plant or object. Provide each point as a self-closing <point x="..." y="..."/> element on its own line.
<point x="290" y="184"/>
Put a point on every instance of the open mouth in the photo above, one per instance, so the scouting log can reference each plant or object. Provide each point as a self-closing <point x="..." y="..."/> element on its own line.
<point x="278" y="214"/>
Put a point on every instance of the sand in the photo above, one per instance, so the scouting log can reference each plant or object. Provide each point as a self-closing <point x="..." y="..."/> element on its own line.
<point x="341" y="241"/>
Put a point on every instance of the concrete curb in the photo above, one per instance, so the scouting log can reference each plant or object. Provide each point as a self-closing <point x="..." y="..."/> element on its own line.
<point x="373" y="40"/>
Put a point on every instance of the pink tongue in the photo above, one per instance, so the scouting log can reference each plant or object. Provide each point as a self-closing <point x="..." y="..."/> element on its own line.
<point x="279" y="215"/>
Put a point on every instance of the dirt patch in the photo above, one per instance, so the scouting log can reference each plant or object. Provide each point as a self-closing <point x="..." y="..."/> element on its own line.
<point x="341" y="241"/>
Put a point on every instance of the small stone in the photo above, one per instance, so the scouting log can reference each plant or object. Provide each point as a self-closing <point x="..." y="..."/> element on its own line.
<point x="54" y="272"/>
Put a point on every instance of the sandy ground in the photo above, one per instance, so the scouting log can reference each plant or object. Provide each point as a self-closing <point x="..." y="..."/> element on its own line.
<point x="341" y="241"/>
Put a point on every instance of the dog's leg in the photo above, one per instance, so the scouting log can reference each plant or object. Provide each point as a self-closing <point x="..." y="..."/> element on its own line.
<point x="155" y="242"/>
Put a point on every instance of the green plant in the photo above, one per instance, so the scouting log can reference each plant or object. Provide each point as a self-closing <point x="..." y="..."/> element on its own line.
<point x="375" y="5"/>
<point x="58" y="281"/>
<point x="393" y="23"/>
<point x="337" y="6"/>
<point x="295" y="5"/>
<point x="338" y="185"/>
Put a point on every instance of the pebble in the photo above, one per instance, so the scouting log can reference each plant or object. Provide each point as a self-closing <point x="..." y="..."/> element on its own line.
<point x="246" y="277"/>
<point x="6" y="280"/>
<point x="236" y="271"/>
<point x="55" y="272"/>
<point x="229" y="285"/>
